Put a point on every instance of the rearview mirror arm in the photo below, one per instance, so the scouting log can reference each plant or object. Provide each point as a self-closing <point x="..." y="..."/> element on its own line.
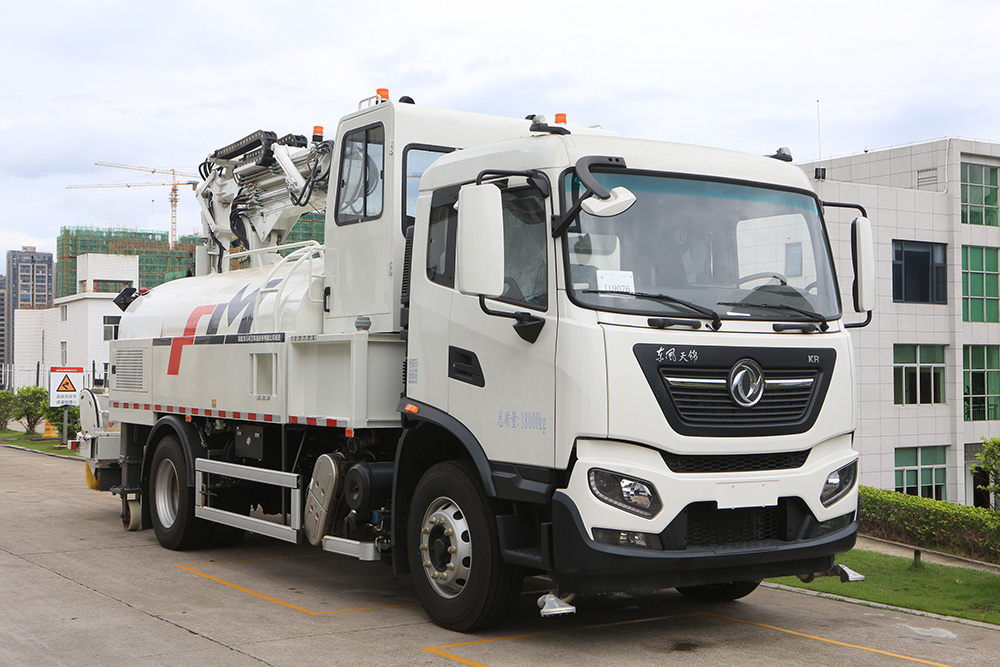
<point x="592" y="188"/>
<point x="528" y="326"/>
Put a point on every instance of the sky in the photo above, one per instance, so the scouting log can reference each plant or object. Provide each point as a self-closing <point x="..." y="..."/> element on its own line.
<point x="161" y="85"/>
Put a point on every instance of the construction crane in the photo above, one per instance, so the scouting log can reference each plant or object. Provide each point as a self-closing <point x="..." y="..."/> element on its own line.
<point x="174" y="182"/>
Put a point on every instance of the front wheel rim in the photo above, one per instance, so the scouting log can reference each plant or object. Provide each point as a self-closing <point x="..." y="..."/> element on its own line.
<point x="168" y="493"/>
<point x="446" y="547"/>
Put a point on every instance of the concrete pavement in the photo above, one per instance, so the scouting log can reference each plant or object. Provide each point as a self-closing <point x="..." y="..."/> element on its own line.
<point x="78" y="590"/>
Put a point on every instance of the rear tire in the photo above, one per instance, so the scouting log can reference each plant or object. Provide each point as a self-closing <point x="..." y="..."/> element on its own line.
<point x="454" y="551"/>
<point x="172" y="500"/>
<point x="732" y="590"/>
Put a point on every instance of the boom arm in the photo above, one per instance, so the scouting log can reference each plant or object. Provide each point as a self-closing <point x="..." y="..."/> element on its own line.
<point x="256" y="189"/>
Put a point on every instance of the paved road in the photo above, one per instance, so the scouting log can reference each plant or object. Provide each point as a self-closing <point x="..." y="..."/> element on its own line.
<point x="78" y="590"/>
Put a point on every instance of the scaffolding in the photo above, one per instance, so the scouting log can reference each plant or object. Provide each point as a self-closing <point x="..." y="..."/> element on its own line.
<point x="308" y="228"/>
<point x="157" y="262"/>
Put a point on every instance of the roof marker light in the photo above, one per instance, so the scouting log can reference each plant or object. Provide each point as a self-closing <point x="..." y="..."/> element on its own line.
<point x="383" y="93"/>
<point x="561" y="118"/>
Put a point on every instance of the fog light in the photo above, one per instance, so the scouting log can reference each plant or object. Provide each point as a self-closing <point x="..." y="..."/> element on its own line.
<point x="839" y="483"/>
<point x="627" y="538"/>
<point x="627" y="493"/>
<point x="833" y="524"/>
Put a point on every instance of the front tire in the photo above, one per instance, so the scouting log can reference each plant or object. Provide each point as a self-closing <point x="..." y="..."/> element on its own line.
<point x="172" y="499"/>
<point x="453" y="547"/>
<point x="732" y="590"/>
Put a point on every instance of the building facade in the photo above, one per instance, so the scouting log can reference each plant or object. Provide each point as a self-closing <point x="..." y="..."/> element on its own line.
<point x="157" y="262"/>
<point x="74" y="331"/>
<point x="30" y="282"/>
<point x="3" y="331"/>
<point x="929" y="363"/>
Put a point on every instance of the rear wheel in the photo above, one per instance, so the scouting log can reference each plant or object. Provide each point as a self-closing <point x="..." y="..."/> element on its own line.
<point x="732" y="590"/>
<point x="453" y="545"/>
<point x="172" y="499"/>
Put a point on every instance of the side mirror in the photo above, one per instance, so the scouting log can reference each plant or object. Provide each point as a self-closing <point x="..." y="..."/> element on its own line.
<point x="863" y="251"/>
<point x="619" y="201"/>
<point x="480" y="268"/>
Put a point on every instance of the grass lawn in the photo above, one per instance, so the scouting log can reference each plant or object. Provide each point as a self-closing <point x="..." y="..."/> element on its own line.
<point x="950" y="591"/>
<point x="34" y="441"/>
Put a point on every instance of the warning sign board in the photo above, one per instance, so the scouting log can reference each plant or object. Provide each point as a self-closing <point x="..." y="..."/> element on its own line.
<point x="65" y="384"/>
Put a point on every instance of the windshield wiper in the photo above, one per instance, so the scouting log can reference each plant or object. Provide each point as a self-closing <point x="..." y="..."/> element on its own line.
<point x="707" y="313"/>
<point x="816" y="317"/>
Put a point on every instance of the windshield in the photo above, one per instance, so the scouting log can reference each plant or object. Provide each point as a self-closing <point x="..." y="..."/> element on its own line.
<point x="744" y="252"/>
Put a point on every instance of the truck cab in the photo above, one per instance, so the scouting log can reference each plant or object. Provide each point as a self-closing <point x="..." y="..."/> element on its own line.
<point x="685" y="403"/>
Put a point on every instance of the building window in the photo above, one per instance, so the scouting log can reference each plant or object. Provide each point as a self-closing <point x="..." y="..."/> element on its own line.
<point x="920" y="471"/>
<point x="62" y="353"/>
<point x="981" y="382"/>
<point x="918" y="374"/>
<point x="919" y="272"/>
<point x="63" y="315"/>
<point x="793" y="259"/>
<point x="979" y="194"/>
<point x="980" y="284"/>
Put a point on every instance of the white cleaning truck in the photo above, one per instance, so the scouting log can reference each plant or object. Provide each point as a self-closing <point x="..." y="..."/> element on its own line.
<point x="523" y="349"/>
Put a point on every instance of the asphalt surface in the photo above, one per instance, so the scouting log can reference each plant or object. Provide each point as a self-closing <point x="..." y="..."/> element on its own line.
<point x="79" y="590"/>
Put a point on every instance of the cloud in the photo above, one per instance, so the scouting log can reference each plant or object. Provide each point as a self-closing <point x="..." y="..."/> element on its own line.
<point x="163" y="85"/>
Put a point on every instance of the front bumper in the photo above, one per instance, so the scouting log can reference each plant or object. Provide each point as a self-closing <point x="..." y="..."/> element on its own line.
<point x="713" y="527"/>
<point x="582" y="565"/>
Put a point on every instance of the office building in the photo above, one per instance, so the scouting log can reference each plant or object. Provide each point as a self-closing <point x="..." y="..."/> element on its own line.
<point x="929" y="363"/>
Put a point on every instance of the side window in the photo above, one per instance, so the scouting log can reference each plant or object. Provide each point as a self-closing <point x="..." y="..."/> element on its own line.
<point x="441" y="234"/>
<point x="524" y="240"/>
<point x="416" y="160"/>
<point x="524" y="246"/>
<point x="362" y="162"/>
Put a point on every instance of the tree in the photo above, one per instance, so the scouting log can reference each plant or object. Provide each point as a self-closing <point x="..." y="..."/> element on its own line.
<point x="29" y="406"/>
<point x="6" y="408"/>
<point x="989" y="464"/>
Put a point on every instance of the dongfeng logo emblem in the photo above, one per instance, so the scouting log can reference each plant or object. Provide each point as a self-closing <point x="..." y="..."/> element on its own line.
<point x="746" y="383"/>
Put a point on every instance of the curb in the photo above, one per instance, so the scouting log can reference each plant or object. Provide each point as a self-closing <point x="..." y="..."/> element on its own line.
<point x="989" y="567"/>
<point x="35" y="451"/>
<point x="879" y="605"/>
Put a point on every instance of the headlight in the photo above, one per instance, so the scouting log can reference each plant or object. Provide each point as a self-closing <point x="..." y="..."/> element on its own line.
<point x="627" y="493"/>
<point x="838" y="483"/>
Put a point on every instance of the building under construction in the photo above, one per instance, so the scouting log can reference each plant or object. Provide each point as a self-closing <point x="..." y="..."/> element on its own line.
<point x="157" y="262"/>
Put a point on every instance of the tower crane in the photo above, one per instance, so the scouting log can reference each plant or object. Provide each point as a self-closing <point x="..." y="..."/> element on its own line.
<point x="191" y="179"/>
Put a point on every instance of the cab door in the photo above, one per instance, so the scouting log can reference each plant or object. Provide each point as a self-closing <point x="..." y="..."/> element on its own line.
<point x="501" y="386"/>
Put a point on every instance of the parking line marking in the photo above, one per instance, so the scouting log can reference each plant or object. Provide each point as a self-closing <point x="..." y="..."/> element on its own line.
<point x="440" y="650"/>
<point x="834" y="641"/>
<point x="243" y="589"/>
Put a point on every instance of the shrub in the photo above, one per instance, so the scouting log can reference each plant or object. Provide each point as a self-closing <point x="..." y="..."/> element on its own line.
<point x="6" y="408"/>
<point x="55" y="417"/>
<point x="973" y="532"/>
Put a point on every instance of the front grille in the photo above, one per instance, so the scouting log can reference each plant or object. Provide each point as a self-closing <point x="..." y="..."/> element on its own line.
<point x="708" y="526"/>
<point x="701" y="397"/>
<point x="735" y="463"/>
